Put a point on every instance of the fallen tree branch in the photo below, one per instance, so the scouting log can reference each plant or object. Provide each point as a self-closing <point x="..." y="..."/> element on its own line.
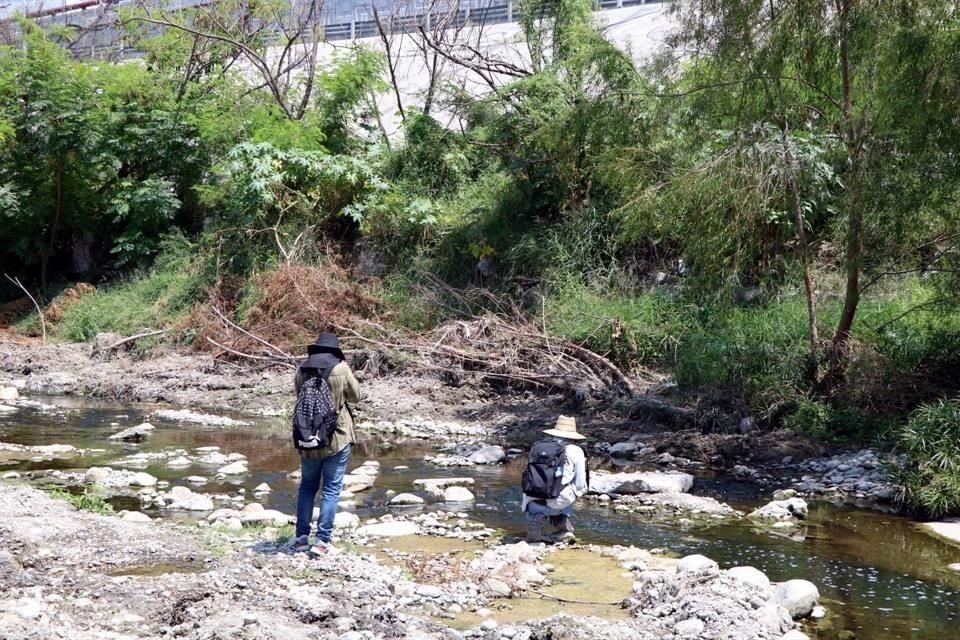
<point x="43" y="322"/>
<point x="234" y="325"/>
<point x="145" y="334"/>
<point x="550" y="596"/>
<point x="272" y="359"/>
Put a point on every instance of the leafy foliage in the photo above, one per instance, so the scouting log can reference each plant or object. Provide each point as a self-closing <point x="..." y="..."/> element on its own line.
<point x="931" y="443"/>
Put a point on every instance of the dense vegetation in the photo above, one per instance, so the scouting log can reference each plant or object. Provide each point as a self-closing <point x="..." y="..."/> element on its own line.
<point x="770" y="208"/>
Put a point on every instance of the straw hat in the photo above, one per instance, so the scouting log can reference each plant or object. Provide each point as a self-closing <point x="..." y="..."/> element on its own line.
<point x="566" y="427"/>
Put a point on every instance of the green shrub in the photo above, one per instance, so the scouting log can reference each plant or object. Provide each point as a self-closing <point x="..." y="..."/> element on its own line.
<point x="85" y="501"/>
<point x="930" y="440"/>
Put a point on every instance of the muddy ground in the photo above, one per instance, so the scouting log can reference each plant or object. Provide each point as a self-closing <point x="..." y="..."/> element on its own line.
<point x="198" y="381"/>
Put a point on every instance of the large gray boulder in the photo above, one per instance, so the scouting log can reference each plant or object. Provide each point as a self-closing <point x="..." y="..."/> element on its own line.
<point x="751" y="576"/>
<point x="798" y="597"/>
<point x="781" y="510"/>
<point x="138" y="433"/>
<point x="641" y="482"/>
<point x="488" y="455"/>
<point x="697" y="564"/>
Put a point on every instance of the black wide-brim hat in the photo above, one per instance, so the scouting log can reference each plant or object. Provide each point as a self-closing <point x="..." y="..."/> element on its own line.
<point x="326" y="343"/>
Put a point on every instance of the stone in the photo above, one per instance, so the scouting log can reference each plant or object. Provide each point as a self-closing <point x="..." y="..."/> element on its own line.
<point x="97" y="474"/>
<point x="135" y="516"/>
<point x="747" y="425"/>
<point x="623" y="449"/>
<point x="11" y="475"/>
<point x="142" y="479"/>
<point x="697" y="564"/>
<point x="196" y="479"/>
<point x="182" y="498"/>
<point x="346" y="520"/>
<point x="55" y="449"/>
<point x="263" y="487"/>
<point x="357" y="483"/>
<point x="690" y="628"/>
<point x="794" y="634"/>
<point x="138" y="433"/>
<point x="405" y="499"/>
<point x="28" y="608"/>
<point x="784" y="494"/>
<point x="252" y="508"/>
<point x="496" y="588"/>
<point x="751" y="576"/>
<point x="180" y="461"/>
<point x="393" y="529"/>
<point x="641" y="482"/>
<point x="947" y="530"/>
<point x="457" y="494"/>
<point x="184" y="415"/>
<point x="954" y="567"/>
<point x="267" y="516"/>
<point x="8" y="394"/>
<point x="442" y="483"/>
<point x="818" y="613"/>
<point x="232" y="524"/>
<point x="234" y="468"/>
<point x="798" y="597"/>
<point x="5" y="408"/>
<point x="488" y="455"/>
<point x="781" y="510"/>
<point x="488" y="625"/>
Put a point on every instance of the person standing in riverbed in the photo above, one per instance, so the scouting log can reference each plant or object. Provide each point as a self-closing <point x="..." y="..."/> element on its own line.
<point x="325" y="465"/>
<point x="556" y="475"/>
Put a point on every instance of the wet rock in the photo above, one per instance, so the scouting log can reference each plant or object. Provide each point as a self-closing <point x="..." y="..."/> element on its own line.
<point x="488" y="455"/>
<point x="55" y="449"/>
<point x="142" y="479"/>
<point x="5" y="408"/>
<point x="751" y="576"/>
<point x="428" y="484"/>
<point x="947" y="530"/>
<point x="793" y="634"/>
<point x="138" y="433"/>
<point x="798" y="597"/>
<point x="184" y="415"/>
<point x="697" y="564"/>
<point x="8" y="394"/>
<point x="747" y="425"/>
<point x="623" y="449"/>
<point x="818" y="613"/>
<point x="781" y="510"/>
<point x="196" y="479"/>
<point x="457" y="494"/>
<point x="263" y="487"/>
<point x="389" y="529"/>
<point x="784" y="494"/>
<point x="179" y="462"/>
<point x="11" y="475"/>
<point x="405" y="499"/>
<point x="641" y="482"/>
<point x="357" y="483"/>
<point x="183" y="499"/>
<point x="235" y="468"/>
<point x="97" y="474"/>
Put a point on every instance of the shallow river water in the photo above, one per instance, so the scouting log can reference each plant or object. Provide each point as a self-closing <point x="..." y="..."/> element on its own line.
<point x="878" y="575"/>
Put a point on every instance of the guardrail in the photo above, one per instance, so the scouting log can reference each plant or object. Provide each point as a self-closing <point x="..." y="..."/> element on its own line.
<point x="100" y="37"/>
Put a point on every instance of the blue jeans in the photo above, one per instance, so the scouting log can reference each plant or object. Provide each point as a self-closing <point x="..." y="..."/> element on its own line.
<point x="535" y="509"/>
<point x="330" y="471"/>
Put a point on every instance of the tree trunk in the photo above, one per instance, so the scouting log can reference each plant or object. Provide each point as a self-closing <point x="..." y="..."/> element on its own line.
<point x="854" y="237"/>
<point x="813" y="367"/>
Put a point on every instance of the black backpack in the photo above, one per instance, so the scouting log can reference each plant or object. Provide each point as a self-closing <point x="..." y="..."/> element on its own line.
<point x="314" y="416"/>
<point x="543" y="475"/>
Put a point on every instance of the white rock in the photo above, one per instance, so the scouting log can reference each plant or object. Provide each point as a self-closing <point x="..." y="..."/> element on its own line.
<point x="5" y="408"/>
<point x="97" y="474"/>
<point x="141" y="479"/>
<point x="406" y="499"/>
<point x="357" y="483"/>
<point x="794" y="635"/>
<point x="697" y="564"/>
<point x="9" y="393"/>
<point x="798" y="597"/>
<point x="232" y="524"/>
<point x="641" y="482"/>
<point x="134" y="434"/>
<point x="28" y="608"/>
<point x="135" y="516"/>
<point x="346" y="520"/>
<point x="442" y="483"/>
<point x="253" y="507"/>
<point x="389" y="529"/>
<point x="781" y="510"/>
<point x="196" y="479"/>
<point x="233" y="469"/>
<point x="11" y="475"/>
<point x="54" y="449"/>
<point x="184" y="499"/>
<point x="269" y="516"/>
<point x="488" y="625"/>
<point x="183" y="415"/>
<point x="751" y="576"/>
<point x="690" y="628"/>
<point x="180" y="461"/>
<point x="457" y="494"/>
<point x="263" y="487"/>
<point x="818" y="613"/>
<point x="488" y="455"/>
<point x="954" y="567"/>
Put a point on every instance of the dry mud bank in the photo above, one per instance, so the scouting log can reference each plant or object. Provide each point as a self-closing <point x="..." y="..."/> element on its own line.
<point x="72" y="574"/>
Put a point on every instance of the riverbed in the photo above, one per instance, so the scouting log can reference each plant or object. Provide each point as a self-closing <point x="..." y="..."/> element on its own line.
<point x="878" y="575"/>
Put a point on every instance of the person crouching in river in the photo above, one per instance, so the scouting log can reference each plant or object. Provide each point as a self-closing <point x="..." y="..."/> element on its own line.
<point x="555" y="476"/>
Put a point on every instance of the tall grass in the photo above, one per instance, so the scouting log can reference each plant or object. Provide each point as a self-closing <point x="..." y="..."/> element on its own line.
<point x="930" y="441"/>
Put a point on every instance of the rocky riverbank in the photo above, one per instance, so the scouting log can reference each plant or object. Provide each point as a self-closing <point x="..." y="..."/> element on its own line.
<point x="72" y="574"/>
